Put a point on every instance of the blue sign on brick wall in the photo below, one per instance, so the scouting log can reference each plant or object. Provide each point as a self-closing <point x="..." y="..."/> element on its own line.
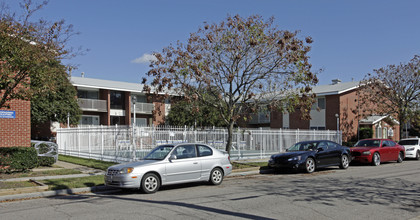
<point x="7" y="114"/>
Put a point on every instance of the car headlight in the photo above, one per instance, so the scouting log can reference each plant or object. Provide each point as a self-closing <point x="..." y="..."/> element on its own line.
<point x="126" y="170"/>
<point x="410" y="149"/>
<point x="367" y="153"/>
<point x="294" y="158"/>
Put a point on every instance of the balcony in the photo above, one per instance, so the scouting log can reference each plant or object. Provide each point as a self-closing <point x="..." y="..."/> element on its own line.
<point x="260" y="118"/>
<point x="94" y="105"/>
<point x="143" y="108"/>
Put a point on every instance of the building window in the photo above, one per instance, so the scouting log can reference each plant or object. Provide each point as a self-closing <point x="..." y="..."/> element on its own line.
<point x="86" y="94"/>
<point x="141" y="99"/>
<point x="89" y="120"/>
<point x="321" y="128"/>
<point x="140" y="122"/>
<point x="117" y="100"/>
<point x="117" y="120"/>
<point x="321" y="103"/>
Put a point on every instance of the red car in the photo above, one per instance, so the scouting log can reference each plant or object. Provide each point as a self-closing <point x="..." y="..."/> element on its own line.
<point x="376" y="151"/>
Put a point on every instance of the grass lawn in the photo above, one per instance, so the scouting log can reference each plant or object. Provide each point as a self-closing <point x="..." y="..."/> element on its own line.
<point x="9" y="185"/>
<point x="97" y="164"/>
<point x="245" y="165"/>
<point x="39" y="173"/>
<point x="69" y="183"/>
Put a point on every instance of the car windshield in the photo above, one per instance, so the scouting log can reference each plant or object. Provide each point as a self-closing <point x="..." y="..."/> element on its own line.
<point x="408" y="142"/>
<point x="303" y="146"/>
<point x="159" y="153"/>
<point x="368" y="143"/>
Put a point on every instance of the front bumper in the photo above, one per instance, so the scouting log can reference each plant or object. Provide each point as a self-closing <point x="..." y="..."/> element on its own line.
<point x="123" y="181"/>
<point x="278" y="164"/>
<point x="410" y="154"/>
<point x="362" y="159"/>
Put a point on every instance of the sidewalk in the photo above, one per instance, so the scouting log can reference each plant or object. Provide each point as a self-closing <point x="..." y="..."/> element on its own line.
<point x="86" y="171"/>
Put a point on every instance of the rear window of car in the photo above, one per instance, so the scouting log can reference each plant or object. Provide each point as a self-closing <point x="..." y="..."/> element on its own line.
<point x="204" y="151"/>
<point x="408" y="142"/>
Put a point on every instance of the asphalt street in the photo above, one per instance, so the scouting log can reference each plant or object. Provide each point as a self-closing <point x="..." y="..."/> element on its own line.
<point x="390" y="191"/>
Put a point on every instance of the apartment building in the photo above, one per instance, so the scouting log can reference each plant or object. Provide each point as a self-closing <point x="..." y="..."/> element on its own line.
<point x="106" y="102"/>
<point x="336" y="107"/>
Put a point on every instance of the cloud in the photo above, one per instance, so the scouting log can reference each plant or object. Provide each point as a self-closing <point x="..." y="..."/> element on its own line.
<point x="146" y="58"/>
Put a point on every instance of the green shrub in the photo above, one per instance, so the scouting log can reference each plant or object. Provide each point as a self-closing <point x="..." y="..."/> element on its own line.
<point x="365" y="133"/>
<point x="46" y="161"/>
<point x="17" y="159"/>
<point x="349" y="143"/>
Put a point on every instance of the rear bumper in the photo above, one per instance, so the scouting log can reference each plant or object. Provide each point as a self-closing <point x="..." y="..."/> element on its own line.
<point x="227" y="169"/>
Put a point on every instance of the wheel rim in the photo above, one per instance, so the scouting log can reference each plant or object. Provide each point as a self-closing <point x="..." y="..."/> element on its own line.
<point x="216" y="176"/>
<point x="150" y="183"/>
<point x="310" y="165"/>
<point x="376" y="159"/>
<point x="345" y="161"/>
<point x="400" y="157"/>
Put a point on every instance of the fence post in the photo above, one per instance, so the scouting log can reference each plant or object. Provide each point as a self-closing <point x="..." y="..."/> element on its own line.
<point x="89" y="132"/>
<point x="102" y="143"/>
<point x="78" y="142"/>
<point x="116" y="143"/>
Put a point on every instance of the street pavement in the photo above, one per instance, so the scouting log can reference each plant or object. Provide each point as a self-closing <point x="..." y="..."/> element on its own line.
<point x="86" y="171"/>
<point x="389" y="191"/>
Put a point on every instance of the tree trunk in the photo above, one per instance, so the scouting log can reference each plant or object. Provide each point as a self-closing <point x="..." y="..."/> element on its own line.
<point x="230" y="137"/>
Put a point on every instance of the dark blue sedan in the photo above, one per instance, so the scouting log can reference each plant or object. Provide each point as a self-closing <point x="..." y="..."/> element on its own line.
<point x="310" y="155"/>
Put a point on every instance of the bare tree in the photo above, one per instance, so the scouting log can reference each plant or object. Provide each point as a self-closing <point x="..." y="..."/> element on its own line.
<point x="243" y="63"/>
<point x="393" y="90"/>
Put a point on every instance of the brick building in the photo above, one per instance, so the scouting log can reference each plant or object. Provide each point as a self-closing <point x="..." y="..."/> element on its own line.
<point x="106" y="102"/>
<point x="336" y="105"/>
<point x="15" y="124"/>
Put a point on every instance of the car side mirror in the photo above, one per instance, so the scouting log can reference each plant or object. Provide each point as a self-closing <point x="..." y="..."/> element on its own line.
<point x="172" y="157"/>
<point x="320" y="149"/>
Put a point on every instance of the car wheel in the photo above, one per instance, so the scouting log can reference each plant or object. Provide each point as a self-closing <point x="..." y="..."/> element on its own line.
<point x="376" y="159"/>
<point x="310" y="165"/>
<point x="344" y="162"/>
<point x="418" y="155"/>
<point x="400" y="157"/>
<point x="216" y="176"/>
<point x="150" y="183"/>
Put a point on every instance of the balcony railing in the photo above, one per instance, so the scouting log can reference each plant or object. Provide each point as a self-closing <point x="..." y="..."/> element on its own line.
<point x="92" y="105"/>
<point x="143" y="108"/>
<point x="260" y="118"/>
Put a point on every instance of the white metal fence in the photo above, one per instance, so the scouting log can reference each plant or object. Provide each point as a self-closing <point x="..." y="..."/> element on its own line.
<point x="123" y="143"/>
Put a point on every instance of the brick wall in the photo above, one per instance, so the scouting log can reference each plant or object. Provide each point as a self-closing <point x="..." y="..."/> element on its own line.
<point x="16" y="131"/>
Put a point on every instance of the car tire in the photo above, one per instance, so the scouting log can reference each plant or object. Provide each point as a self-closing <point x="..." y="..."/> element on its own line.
<point x="344" y="163"/>
<point x="376" y="159"/>
<point x="150" y="183"/>
<point x="400" y="157"/>
<point x="418" y="155"/>
<point x="216" y="176"/>
<point x="310" y="165"/>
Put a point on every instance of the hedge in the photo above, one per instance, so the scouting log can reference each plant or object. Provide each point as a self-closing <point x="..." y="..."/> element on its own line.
<point x="17" y="159"/>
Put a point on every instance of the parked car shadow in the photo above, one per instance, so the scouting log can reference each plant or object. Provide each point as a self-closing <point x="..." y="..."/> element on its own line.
<point x="268" y="170"/>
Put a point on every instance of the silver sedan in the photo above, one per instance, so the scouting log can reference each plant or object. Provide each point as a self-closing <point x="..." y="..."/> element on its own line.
<point x="171" y="164"/>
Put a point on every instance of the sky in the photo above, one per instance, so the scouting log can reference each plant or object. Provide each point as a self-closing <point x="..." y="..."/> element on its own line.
<point x="351" y="38"/>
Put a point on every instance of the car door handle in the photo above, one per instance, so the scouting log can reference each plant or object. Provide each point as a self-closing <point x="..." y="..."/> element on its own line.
<point x="195" y="163"/>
